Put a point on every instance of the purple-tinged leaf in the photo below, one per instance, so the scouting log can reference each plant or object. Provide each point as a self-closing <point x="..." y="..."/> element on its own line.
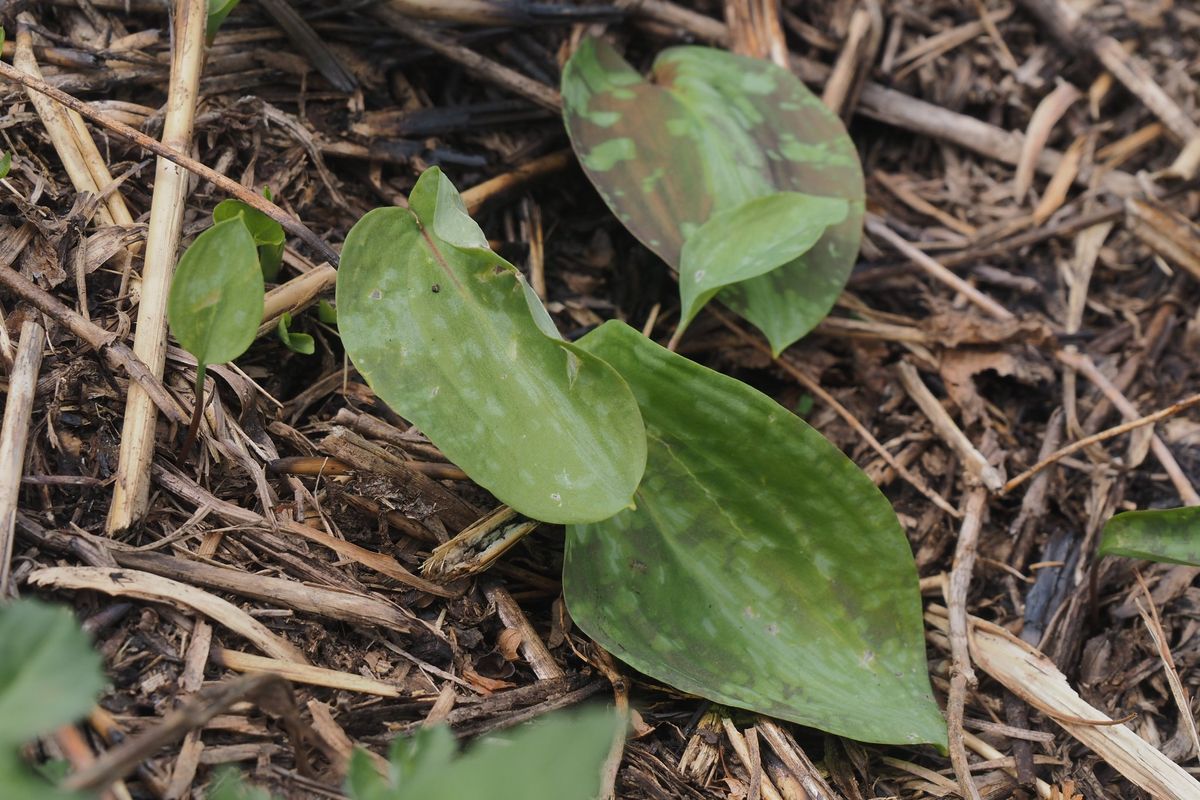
<point x="707" y="133"/>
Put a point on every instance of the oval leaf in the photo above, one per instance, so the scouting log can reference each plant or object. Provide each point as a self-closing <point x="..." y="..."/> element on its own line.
<point x="761" y="569"/>
<point x="216" y="302"/>
<point x="450" y="335"/>
<point x="1171" y="535"/>
<point x="751" y="240"/>
<point x="710" y="131"/>
<point x="49" y="674"/>
<point x="268" y="234"/>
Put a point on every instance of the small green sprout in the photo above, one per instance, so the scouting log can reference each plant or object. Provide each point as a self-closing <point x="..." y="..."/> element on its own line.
<point x="296" y="342"/>
<point x="268" y="234"/>
<point x="216" y="301"/>
<point x="327" y="312"/>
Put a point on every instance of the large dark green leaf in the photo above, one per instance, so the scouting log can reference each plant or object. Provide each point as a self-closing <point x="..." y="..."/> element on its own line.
<point x="558" y="758"/>
<point x="710" y="131"/>
<point x="1170" y="534"/>
<point x="451" y="336"/>
<point x="761" y="568"/>
<point x="49" y="674"/>
<point x="216" y="301"/>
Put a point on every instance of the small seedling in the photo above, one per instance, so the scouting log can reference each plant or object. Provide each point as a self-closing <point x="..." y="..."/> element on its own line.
<point x="5" y="162"/>
<point x="296" y="342"/>
<point x="268" y="234"/>
<point x="216" y="302"/>
<point x="327" y="312"/>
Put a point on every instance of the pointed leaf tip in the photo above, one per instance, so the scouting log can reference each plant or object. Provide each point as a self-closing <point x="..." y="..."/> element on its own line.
<point x="1171" y="535"/>
<point x="774" y="578"/>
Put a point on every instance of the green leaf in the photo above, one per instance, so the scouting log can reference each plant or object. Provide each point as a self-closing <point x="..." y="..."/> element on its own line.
<point x="19" y="782"/>
<point x="558" y="758"/>
<point x="228" y="784"/>
<point x="1171" y="535"/>
<point x="326" y="312"/>
<point x="6" y="160"/>
<point x="49" y="674"/>
<point x="296" y="342"/>
<point x="710" y="131"/>
<point x="451" y="336"/>
<point x="218" y="10"/>
<point x="750" y="240"/>
<point x="216" y="300"/>
<point x="268" y="234"/>
<point x="761" y="568"/>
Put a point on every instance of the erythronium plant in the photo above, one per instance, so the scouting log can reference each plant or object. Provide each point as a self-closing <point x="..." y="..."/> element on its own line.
<point x="715" y="541"/>
<point x="686" y="153"/>
<point x="1167" y="534"/>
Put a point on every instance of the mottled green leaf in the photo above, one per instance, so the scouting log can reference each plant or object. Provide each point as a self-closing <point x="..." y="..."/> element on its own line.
<point x="1170" y="534"/>
<point x="751" y="240"/>
<point x="6" y="159"/>
<point x="268" y="234"/>
<point x="451" y="336"/>
<point x="557" y="758"/>
<point x="710" y="131"/>
<point x="49" y="674"/>
<point x="761" y="568"/>
<point x="296" y="342"/>
<point x="216" y="301"/>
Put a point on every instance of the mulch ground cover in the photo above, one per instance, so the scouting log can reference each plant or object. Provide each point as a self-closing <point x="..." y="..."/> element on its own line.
<point x="1028" y="278"/>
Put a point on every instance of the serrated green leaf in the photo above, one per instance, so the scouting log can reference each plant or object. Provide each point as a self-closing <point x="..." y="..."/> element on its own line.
<point x="49" y="674"/>
<point x="708" y="132"/>
<point x="557" y="758"/>
<point x="216" y="300"/>
<point x="268" y="234"/>
<point x="296" y="342"/>
<point x="750" y="240"/>
<point x="450" y="335"/>
<point x="1171" y="535"/>
<point x="761" y="568"/>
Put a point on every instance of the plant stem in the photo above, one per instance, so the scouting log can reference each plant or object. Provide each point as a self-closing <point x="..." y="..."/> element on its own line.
<point x="197" y="413"/>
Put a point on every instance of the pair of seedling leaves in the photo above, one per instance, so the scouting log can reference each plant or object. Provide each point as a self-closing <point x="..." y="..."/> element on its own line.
<point x="216" y="302"/>
<point x="50" y="676"/>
